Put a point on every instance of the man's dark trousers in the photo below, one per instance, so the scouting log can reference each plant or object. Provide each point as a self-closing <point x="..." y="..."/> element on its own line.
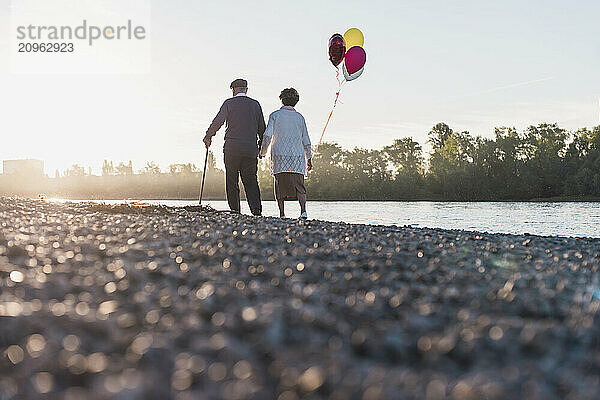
<point x="236" y="165"/>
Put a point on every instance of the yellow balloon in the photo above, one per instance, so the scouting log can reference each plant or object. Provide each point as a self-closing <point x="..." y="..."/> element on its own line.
<point x="354" y="37"/>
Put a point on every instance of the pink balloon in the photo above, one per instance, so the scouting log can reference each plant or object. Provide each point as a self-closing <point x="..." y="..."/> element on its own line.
<point x="355" y="59"/>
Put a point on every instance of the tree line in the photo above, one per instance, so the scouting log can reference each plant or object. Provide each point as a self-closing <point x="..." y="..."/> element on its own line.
<point x="539" y="162"/>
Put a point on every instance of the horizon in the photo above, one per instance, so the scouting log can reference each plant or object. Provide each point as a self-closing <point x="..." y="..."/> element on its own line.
<point x="474" y="66"/>
<point x="137" y="169"/>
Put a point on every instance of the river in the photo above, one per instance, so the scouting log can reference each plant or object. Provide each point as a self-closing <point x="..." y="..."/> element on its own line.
<point x="579" y="219"/>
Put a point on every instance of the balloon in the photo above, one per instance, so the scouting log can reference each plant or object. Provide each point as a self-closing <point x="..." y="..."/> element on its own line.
<point x="351" y="77"/>
<point x="354" y="60"/>
<point x="354" y="37"/>
<point x="337" y="49"/>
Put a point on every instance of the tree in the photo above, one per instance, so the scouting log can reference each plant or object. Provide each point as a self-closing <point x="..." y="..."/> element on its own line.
<point x="455" y="153"/>
<point x="451" y="165"/>
<point x="151" y="168"/>
<point x="107" y="168"/>
<point x="438" y="135"/>
<point x="545" y="146"/>
<point x="406" y="156"/>
<point x="185" y="169"/>
<point x="328" y="179"/>
<point x="211" y="163"/>
<point x="75" y="171"/>
<point x="124" y="169"/>
<point x="582" y="163"/>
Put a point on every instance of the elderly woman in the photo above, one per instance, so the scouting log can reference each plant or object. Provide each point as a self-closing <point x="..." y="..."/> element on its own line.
<point x="290" y="151"/>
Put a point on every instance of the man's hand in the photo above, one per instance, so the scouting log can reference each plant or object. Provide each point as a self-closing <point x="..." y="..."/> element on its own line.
<point x="309" y="164"/>
<point x="207" y="141"/>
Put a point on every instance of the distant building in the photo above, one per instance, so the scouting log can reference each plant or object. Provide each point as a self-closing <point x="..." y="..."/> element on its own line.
<point x="23" y="167"/>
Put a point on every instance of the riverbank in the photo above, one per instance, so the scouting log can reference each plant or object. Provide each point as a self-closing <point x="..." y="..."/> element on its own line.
<point x="152" y="302"/>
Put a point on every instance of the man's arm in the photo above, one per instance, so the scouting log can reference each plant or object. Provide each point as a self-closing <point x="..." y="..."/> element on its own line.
<point x="216" y="124"/>
<point x="261" y="126"/>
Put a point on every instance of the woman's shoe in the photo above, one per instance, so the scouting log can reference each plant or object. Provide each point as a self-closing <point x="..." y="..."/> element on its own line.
<point x="303" y="215"/>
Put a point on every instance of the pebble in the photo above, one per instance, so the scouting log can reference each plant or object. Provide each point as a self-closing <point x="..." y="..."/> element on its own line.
<point x="133" y="301"/>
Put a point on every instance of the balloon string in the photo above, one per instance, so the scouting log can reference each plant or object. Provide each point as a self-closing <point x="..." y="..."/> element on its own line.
<point x="337" y="95"/>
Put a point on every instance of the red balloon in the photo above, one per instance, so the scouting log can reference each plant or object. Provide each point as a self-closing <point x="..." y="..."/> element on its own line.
<point x="355" y="59"/>
<point x="337" y="49"/>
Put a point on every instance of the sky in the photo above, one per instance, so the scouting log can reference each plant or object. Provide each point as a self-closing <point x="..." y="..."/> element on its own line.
<point x="474" y="65"/>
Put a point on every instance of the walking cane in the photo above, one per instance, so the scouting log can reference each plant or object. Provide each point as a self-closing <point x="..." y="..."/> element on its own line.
<point x="203" y="176"/>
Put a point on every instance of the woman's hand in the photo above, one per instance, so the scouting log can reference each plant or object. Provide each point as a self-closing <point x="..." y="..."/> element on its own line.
<point x="309" y="164"/>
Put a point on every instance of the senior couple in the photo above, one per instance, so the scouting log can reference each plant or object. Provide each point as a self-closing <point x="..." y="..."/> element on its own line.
<point x="247" y="138"/>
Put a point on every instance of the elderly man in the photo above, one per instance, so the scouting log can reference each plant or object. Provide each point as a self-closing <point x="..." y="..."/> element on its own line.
<point x="243" y="136"/>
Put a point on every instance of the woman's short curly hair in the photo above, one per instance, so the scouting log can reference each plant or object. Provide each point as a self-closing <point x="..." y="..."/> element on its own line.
<point x="289" y="97"/>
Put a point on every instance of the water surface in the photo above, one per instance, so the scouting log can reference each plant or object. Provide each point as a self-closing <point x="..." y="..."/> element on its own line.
<point x="539" y="218"/>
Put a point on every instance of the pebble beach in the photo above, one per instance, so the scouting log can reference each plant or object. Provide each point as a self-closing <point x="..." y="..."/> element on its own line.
<point x="132" y="301"/>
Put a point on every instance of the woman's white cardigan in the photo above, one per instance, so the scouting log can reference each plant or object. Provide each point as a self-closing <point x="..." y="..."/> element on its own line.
<point x="290" y="144"/>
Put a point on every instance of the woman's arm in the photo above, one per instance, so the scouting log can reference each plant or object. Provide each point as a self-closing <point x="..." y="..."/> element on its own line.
<point x="266" y="139"/>
<point x="306" y="141"/>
